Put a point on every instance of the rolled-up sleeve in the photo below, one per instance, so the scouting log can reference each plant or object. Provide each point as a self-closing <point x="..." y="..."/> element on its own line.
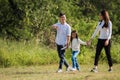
<point x="69" y="31"/>
<point x="110" y="30"/>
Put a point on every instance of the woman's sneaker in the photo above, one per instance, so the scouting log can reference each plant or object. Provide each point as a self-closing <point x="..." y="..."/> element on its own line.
<point x="94" y="70"/>
<point x="109" y="70"/>
<point x="59" y="71"/>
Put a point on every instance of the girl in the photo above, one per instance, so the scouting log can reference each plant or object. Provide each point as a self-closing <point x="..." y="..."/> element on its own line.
<point x="105" y="29"/>
<point x="75" y="45"/>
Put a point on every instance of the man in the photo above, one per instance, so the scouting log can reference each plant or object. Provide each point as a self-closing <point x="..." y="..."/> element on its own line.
<point x="62" y="40"/>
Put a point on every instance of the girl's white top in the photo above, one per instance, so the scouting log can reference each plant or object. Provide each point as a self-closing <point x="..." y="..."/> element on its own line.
<point x="105" y="33"/>
<point x="75" y="45"/>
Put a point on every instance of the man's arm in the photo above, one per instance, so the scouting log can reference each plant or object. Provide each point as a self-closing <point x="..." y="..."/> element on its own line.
<point x="68" y="40"/>
<point x="54" y="26"/>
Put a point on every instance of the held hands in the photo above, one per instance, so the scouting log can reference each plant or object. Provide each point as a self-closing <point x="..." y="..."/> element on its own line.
<point x="89" y="42"/>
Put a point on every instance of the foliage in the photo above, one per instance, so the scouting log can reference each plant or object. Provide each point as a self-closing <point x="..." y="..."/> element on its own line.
<point x="25" y="24"/>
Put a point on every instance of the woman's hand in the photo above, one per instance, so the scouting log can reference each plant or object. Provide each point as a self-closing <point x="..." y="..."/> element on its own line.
<point x="106" y="42"/>
<point x="89" y="42"/>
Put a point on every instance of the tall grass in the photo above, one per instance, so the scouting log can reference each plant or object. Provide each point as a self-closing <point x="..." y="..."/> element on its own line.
<point x="13" y="53"/>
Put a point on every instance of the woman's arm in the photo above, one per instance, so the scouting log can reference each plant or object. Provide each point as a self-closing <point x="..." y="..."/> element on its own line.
<point x="99" y="26"/>
<point x="110" y="33"/>
<point x="110" y="30"/>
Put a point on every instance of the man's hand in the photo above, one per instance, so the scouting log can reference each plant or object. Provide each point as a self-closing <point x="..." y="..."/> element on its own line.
<point x="54" y="26"/>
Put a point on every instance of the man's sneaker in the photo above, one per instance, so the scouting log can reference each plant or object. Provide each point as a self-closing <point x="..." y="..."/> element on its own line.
<point x="73" y="69"/>
<point x="59" y="71"/>
<point x="109" y="70"/>
<point x="68" y="69"/>
<point x="94" y="70"/>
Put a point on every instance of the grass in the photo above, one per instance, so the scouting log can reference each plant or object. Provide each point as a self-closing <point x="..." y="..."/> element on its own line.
<point x="19" y="61"/>
<point x="13" y="53"/>
<point x="48" y="72"/>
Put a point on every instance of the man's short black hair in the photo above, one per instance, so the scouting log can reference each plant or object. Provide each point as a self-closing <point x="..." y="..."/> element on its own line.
<point x="61" y="14"/>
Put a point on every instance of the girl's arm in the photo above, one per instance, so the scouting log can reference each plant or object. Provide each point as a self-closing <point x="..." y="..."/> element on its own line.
<point x="82" y="42"/>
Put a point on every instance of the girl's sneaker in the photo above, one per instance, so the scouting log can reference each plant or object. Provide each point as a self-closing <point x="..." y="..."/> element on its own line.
<point x="78" y="68"/>
<point x="94" y="70"/>
<point x="73" y="69"/>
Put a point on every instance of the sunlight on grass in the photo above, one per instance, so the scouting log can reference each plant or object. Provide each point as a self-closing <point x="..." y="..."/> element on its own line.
<point x="48" y="72"/>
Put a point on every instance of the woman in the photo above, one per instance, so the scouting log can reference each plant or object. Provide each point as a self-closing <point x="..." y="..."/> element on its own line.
<point x="105" y="29"/>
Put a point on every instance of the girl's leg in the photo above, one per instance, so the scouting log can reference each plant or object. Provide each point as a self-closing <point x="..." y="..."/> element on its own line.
<point x="76" y="62"/>
<point x="73" y="59"/>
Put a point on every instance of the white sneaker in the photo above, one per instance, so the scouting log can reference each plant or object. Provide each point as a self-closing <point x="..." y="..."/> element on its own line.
<point x="73" y="69"/>
<point x="94" y="70"/>
<point x="68" y="69"/>
<point x="59" y="71"/>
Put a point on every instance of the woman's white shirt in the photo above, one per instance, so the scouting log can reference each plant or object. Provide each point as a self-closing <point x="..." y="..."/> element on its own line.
<point x="105" y="33"/>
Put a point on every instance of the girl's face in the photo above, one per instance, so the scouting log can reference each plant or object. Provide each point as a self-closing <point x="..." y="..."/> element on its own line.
<point x="73" y="35"/>
<point x="100" y="17"/>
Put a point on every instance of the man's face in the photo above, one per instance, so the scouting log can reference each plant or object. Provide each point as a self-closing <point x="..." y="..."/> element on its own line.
<point x="63" y="19"/>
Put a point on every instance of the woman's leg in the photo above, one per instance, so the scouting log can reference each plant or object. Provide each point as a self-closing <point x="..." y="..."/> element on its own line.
<point x="108" y="54"/>
<point x="99" y="47"/>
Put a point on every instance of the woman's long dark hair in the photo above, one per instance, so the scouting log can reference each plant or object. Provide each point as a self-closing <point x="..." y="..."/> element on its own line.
<point x="74" y="31"/>
<point x="106" y="18"/>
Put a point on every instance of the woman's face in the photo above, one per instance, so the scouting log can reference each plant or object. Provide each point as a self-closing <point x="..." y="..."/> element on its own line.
<point x="100" y="17"/>
<point x="73" y="35"/>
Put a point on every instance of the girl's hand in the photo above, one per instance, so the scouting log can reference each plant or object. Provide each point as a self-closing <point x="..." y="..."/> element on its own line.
<point x="106" y="42"/>
<point x="89" y="42"/>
